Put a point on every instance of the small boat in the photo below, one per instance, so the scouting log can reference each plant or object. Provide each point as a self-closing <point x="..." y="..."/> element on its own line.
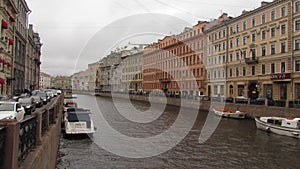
<point x="70" y="104"/>
<point x="78" y="121"/>
<point x="229" y="113"/>
<point x="282" y="126"/>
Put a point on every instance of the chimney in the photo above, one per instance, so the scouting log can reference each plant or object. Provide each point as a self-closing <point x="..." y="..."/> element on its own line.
<point x="244" y="12"/>
<point x="224" y="15"/>
<point x="263" y="3"/>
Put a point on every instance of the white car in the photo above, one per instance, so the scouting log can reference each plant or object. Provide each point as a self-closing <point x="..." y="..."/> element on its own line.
<point x="11" y="110"/>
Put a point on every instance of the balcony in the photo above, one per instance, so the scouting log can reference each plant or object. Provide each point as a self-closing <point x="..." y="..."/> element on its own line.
<point x="252" y="60"/>
<point x="165" y="80"/>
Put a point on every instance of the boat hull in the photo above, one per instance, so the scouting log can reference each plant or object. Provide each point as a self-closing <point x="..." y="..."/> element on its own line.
<point x="236" y="115"/>
<point x="277" y="129"/>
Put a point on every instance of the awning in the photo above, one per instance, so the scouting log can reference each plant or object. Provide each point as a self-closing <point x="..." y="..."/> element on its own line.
<point x="4" y="24"/>
<point x="10" y="41"/>
<point x="2" y="81"/>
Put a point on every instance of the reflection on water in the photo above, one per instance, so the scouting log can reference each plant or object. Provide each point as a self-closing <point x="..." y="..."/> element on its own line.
<point x="235" y="144"/>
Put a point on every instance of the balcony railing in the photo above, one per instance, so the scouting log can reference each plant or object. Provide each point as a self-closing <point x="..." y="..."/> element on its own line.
<point x="252" y="60"/>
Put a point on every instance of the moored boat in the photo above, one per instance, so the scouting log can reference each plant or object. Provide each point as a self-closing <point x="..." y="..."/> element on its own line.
<point x="282" y="126"/>
<point x="229" y="113"/>
<point x="78" y="121"/>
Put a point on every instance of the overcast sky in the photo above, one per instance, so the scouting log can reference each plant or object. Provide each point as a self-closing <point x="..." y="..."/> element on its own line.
<point x="75" y="33"/>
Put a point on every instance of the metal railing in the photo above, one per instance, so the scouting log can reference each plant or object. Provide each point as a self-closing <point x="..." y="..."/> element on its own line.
<point x="2" y="145"/>
<point x="27" y="136"/>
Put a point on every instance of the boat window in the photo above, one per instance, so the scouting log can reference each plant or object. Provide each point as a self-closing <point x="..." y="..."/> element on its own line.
<point x="278" y="122"/>
<point x="271" y="121"/>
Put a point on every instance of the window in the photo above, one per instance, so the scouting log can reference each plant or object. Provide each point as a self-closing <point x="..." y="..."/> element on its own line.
<point x="244" y="71"/>
<point x="283" y="29"/>
<point x="297" y="44"/>
<point x="283" y="47"/>
<point x="244" y="25"/>
<point x="230" y="57"/>
<point x="244" y="40"/>
<point x="244" y="54"/>
<point x="237" y="72"/>
<point x="263" y="69"/>
<point x="263" y="19"/>
<point x="283" y="11"/>
<point x="231" y="44"/>
<point x="253" y="22"/>
<point x="273" y="32"/>
<point x="273" y="49"/>
<point x="253" y="53"/>
<point x="297" y="5"/>
<point x="263" y="50"/>
<point x="273" y="15"/>
<point x="297" y="25"/>
<point x="297" y="87"/>
<point x="253" y="71"/>
<point x="273" y="68"/>
<point x="282" y="67"/>
<point x="237" y="28"/>
<point x="263" y="34"/>
<point x="297" y="65"/>
<point x="230" y="72"/>
<point x="237" y="41"/>
<point x="253" y="37"/>
<point x="238" y="55"/>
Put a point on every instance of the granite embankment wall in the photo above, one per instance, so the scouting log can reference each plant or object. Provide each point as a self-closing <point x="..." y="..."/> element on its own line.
<point x="252" y="110"/>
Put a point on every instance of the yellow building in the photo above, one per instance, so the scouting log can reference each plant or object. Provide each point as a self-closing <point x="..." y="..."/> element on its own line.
<point x="260" y="51"/>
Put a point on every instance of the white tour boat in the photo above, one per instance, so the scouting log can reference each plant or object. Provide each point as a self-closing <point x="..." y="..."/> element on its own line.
<point x="282" y="126"/>
<point x="229" y="113"/>
<point x="78" y="121"/>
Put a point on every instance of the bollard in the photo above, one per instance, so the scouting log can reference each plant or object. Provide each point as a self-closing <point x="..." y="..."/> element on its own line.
<point x="12" y="143"/>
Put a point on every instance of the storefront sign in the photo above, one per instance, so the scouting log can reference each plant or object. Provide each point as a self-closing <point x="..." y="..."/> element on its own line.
<point x="280" y="76"/>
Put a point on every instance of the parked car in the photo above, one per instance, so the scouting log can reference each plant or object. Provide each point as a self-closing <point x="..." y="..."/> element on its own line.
<point x="241" y="99"/>
<point x="4" y="98"/>
<point x="11" y="110"/>
<point x="262" y="100"/>
<point x="44" y="97"/>
<point x="229" y="99"/>
<point x="38" y="101"/>
<point x="28" y="104"/>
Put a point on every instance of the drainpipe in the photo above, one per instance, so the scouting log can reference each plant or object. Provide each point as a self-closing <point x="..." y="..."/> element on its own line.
<point x="292" y="54"/>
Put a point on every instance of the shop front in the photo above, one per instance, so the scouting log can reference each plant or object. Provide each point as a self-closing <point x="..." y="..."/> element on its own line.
<point x="281" y="82"/>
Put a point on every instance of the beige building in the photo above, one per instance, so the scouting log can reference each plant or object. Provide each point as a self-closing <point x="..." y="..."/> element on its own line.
<point x="62" y="82"/>
<point x="258" y="51"/>
<point x="80" y="81"/>
<point x="92" y="72"/>
<point x="132" y="70"/>
<point x="32" y="61"/>
<point x="45" y="80"/>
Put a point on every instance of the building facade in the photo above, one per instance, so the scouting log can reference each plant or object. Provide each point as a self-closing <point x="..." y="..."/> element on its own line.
<point x="62" y="82"/>
<point x="174" y="65"/>
<point x="92" y="72"/>
<point x="259" y="52"/>
<point x="32" y="61"/>
<point x="20" y="46"/>
<point x="132" y="70"/>
<point x="45" y="80"/>
<point x="8" y="12"/>
<point x="80" y="80"/>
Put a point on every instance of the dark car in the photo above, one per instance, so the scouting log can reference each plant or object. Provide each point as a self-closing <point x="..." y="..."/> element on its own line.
<point x="45" y="98"/>
<point x="28" y="104"/>
<point x="38" y="101"/>
<point x="262" y="100"/>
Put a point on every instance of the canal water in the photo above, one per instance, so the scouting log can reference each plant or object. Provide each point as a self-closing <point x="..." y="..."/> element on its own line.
<point x="234" y="143"/>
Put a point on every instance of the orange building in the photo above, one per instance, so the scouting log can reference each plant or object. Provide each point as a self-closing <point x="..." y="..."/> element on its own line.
<point x="174" y="65"/>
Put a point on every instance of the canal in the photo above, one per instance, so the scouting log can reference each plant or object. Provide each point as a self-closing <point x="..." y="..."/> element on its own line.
<point x="234" y="143"/>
